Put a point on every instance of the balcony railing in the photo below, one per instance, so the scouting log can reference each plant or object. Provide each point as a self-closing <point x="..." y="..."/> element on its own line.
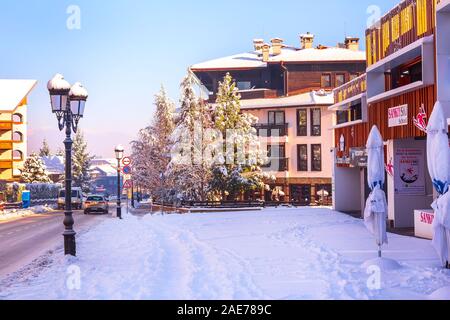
<point x="278" y="164"/>
<point x="6" y="145"/>
<point x="6" y="164"/>
<point x="272" y="130"/>
<point x="6" y="125"/>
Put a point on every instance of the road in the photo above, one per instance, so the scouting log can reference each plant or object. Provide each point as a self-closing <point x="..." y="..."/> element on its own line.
<point x="24" y="240"/>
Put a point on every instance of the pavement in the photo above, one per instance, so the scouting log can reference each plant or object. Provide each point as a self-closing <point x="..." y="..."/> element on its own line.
<point x="26" y="239"/>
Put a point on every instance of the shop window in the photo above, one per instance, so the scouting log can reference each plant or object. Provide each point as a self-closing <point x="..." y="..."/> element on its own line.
<point x="244" y="85"/>
<point x="302" y="157"/>
<point x="342" y="117"/>
<point x="316" y="121"/>
<point x="316" y="152"/>
<point x="406" y="74"/>
<point x="302" y="123"/>
<point x="326" y="80"/>
<point x="352" y="114"/>
<point x="340" y="79"/>
<point x="277" y="117"/>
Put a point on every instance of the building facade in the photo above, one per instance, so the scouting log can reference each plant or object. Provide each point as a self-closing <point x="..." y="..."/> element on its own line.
<point x="289" y="89"/>
<point x="407" y="58"/>
<point x="13" y="126"/>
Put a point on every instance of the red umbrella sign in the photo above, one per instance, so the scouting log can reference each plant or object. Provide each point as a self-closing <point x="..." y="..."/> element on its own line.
<point x="126" y="161"/>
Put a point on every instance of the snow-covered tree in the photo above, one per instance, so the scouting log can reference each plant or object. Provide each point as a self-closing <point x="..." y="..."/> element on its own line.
<point x="190" y="168"/>
<point x="151" y="151"/>
<point x="81" y="162"/>
<point x="34" y="170"/>
<point x="60" y="153"/>
<point x="240" y="169"/>
<point x="45" y="149"/>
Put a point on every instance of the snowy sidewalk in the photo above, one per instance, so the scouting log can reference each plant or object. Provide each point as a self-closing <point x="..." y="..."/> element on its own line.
<point x="273" y="254"/>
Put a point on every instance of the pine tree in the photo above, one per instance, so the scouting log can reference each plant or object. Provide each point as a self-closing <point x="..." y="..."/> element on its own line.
<point x="81" y="162"/>
<point x="189" y="168"/>
<point x="34" y="170"/>
<point x="45" y="149"/>
<point x="240" y="171"/>
<point x="151" y="152"/>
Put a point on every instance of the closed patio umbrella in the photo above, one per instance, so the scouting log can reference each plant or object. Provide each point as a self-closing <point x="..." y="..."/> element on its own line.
<point x="438" y="153"/>
<point x="375" y="214"/>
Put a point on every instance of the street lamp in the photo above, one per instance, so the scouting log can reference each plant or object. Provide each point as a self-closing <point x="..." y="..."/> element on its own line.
<point x="119" y="156"/>
<point x="68" y="105"/>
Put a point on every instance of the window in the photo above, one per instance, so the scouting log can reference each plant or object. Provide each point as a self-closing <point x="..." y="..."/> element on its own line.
<point x="406" y="74"/>
<point x="17" y="118"/>
<point x="302" y="123"/>
<point x="17" y="136"/>
<point x="352" y="114"/>
<point x="244" y="85"/>
<point x="340" y="79"/>
<point x="276" y="151"/>
<point x="316" y="152"/>
<point x="316" y="115"/>
<point x="17" y="155"/>
<point x="342" y="116"/>
<point x="302" y="157"/>
<point x="276" y="117"/>
<point x="326" y="80"/>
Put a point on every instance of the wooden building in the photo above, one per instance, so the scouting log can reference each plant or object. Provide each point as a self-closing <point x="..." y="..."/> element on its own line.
<point x="289" y="89"/>
<point x="404" y="77"/>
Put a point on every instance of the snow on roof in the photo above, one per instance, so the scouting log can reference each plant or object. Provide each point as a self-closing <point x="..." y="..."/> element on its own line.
<point x="288" y="54"/>
<point x="305" y="99"/>
<point x="54" y="164"/>
<point x="12" y="92"/>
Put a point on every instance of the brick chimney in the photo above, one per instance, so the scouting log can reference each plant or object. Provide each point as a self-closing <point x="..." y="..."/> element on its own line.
<point x="277" y="44"/>
<point x="352" y="43"/>
<point x="258" y="43"/>
<point x="307" y="40"/>
<point x="265" y="52"/>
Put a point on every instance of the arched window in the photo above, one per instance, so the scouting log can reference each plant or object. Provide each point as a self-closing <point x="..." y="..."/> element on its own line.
<point x="18" y="136"/>
<point x="17" y="155"/>
<point x="17" y="118"/>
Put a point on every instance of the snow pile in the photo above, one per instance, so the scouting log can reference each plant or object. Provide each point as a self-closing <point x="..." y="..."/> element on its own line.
<point x="272" y="254"/>
<point x="22" y="213"/>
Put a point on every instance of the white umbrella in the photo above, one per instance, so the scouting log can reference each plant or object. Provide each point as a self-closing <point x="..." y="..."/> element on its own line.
<point x="438" y="153"/>
<point x="375" y="214"/>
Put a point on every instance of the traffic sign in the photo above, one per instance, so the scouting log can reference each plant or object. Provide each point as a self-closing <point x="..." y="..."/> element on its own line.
<point x="127" y="184"/>
<point x="126" y="161"/>
<point x="126" y="170"/>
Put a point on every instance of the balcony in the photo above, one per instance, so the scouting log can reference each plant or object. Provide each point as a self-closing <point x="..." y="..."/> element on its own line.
<point x="278" y="164"/>
<point x="272" y="130"/>
<point x="6" y="145"/>
<point x="253" y="94"/>
<point x="6" y="125"/>
<point x="6" y="164"/>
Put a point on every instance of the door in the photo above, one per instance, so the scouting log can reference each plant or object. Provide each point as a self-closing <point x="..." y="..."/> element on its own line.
<point x="301" y="194"/>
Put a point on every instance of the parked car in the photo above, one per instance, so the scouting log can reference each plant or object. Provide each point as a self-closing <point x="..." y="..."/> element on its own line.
<point x="77" y="199"/>
<point x="96" y="203"/>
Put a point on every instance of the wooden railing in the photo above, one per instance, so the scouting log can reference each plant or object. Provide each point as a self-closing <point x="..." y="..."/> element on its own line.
<point x="408" y="22"/>
<point x="351" y="89"/>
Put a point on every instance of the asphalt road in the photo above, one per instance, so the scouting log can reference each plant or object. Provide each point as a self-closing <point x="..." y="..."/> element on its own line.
<point x="25" y="239"/>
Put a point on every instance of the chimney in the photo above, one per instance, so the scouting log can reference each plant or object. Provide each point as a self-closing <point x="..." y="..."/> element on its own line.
<point x="258" y="43"/>
<point x="307" y="40"/>
<point x="352" y="43"/>
<point x="265" y="52"/>
<point x="277" y="45"/>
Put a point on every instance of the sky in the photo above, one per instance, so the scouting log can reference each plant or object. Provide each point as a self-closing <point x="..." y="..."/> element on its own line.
<point x="124" y="50"/>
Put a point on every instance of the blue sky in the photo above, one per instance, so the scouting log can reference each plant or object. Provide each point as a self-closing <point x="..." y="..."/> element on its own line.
<point x="126" y="49"/>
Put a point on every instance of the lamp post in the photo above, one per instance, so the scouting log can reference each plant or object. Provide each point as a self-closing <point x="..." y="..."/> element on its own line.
<point x="119" y="156"/>
<point x="68" y="105"/>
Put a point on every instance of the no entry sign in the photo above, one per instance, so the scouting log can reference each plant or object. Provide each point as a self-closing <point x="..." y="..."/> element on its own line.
<point x="126" y="161"/>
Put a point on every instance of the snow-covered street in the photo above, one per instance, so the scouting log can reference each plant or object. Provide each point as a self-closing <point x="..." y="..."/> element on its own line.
<point x="273" y="254"/>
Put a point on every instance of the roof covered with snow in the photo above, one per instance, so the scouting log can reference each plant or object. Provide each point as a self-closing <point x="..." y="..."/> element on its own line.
<point x="251" y="60"/>
<point x="54" y="164"/>
<point x="12" y="93"/>
<point x="305" y="99"/>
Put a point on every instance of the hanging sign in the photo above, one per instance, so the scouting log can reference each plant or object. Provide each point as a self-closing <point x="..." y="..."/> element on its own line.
<point x="421" y="120"/>
<point x="390" y="168"/>
<point x="398" y="116"/>
<point x="409" y="171"/>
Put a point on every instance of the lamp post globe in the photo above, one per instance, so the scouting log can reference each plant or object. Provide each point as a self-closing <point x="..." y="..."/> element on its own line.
<point x="68" y="105"/>
<point x="119" y="150"/>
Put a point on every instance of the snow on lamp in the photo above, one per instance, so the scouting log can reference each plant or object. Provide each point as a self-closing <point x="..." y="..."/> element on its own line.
<point x="119" y="151"/>
<point x="59" y="89"/>
<point x="78" y="96"/>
